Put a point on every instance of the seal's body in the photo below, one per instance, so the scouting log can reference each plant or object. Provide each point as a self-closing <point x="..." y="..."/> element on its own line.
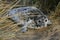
<point x="29" y="17"/>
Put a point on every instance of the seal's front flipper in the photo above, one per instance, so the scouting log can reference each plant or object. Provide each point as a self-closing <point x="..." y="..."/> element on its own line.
<point x="23" y="30"/>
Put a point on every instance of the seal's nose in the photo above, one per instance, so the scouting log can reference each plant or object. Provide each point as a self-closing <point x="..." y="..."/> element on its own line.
<point x="49" y="23"/>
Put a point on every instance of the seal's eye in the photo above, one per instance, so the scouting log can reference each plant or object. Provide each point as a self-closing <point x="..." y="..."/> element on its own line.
<point x="45" y="20"/>
<point x="39" y="21"/>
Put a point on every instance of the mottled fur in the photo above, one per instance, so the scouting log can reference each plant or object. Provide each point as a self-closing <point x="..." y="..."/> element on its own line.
<point x="29" y="17"/>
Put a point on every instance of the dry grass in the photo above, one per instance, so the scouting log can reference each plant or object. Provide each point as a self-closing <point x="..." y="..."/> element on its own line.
<point x="10" y="31"/>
